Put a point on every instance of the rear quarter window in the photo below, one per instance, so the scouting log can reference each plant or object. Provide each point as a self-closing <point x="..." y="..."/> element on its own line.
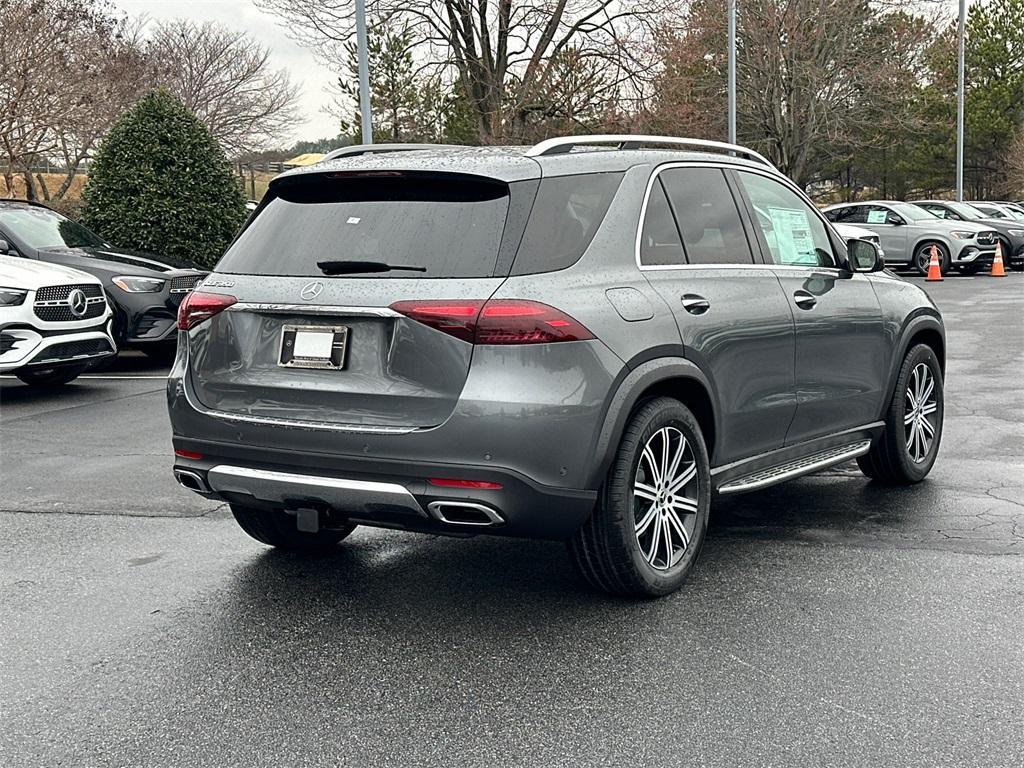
<point x="565" y="216"/>
<point x="449" y="224"/>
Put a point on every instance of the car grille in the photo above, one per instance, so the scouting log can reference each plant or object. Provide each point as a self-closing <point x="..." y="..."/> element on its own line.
<point x="987" y="238"/>
<point x="51" y="304"/>
<point x="73" y="349"/>
<point x="185" y="283"/>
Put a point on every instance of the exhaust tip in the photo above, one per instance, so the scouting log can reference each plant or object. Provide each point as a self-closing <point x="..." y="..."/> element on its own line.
<point x="465" y="513"/>
<point x="192" y="480"/>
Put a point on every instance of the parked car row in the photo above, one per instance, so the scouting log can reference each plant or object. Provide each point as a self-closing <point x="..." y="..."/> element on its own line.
<point x="143" y="290"/>
<point x="963" y="234"/>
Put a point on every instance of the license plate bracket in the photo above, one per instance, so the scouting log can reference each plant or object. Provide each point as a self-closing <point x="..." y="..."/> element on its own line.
<point x="313" y="346"/>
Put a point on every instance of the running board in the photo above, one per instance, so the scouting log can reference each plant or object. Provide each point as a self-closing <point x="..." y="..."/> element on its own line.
<point x="820" y="460"/>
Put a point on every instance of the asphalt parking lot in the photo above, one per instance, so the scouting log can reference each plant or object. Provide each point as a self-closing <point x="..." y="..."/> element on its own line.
<point x="829" y="621"/>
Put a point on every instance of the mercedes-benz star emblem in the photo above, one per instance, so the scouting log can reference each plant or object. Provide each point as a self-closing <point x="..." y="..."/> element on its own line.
<point x="77" y="302"/>
<point x="311" y="290"/>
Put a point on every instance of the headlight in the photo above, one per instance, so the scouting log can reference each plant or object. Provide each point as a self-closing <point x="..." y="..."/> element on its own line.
<point x="1015" y="232"/>
<point x="139" y="284"/>
<point x="963" y="235"/>
<point x="12" y="297"/>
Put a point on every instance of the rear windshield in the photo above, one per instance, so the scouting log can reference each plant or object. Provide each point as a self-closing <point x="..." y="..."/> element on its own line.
<point x="449" y="225"/>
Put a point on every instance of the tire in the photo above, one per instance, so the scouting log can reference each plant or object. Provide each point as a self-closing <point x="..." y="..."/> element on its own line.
<point x="277" y="528"/>
<point x="923" y="255"/>
<point x="51" y="377"/>
<point x="891" y="459"/>
<point x="607" y="550"/>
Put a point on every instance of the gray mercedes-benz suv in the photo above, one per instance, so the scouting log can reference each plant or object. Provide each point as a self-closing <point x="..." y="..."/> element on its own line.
<point x="584" y="340"/>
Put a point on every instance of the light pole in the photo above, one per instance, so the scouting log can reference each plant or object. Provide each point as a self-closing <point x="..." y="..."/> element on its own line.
<point x="364" y="73"/>
<point x="732" y="71"/>
<point x="960" y="103"/>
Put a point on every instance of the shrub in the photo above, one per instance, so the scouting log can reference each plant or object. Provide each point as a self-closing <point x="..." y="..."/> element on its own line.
<point x="161" y="183"/>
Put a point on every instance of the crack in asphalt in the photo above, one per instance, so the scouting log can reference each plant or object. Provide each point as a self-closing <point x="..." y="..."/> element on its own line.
<point x="104" y="513"/>
<point x="90" y="404"/>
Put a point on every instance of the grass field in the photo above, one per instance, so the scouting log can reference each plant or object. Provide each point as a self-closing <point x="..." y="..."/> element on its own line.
<point x="74" y="194"/>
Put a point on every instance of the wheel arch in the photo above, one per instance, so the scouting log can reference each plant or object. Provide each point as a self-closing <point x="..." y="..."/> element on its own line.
<point x="674" y="377"/>
<point x="919" y="329"/>
<point x="931" y="239"/>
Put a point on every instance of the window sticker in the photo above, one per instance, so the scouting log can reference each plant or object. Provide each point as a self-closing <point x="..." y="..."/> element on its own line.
<point x="877" y="216"/>
<point x="794" y="240"/>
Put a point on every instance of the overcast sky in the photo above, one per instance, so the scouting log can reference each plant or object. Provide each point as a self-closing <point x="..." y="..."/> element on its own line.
<point x="242" y="15"/>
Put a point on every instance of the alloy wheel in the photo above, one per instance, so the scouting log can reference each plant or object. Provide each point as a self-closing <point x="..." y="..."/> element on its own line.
<point x="665" y="498"/>
<point x="921" y="406"/>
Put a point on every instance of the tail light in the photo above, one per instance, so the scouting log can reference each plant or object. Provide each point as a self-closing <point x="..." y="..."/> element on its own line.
<point x="199" y="307"/>
<point x="499" y="321"/>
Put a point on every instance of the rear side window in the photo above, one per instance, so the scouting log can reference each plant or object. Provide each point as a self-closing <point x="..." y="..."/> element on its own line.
<point x="450" y="225"/>
<point x="660" y="245"/>
<point x="854" y="214"/>
<point x="707" y="216"/>
<point x="565" y="216"/>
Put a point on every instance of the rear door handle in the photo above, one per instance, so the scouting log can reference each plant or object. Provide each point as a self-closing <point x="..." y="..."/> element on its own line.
<point x="804" y="300"/>
<point x="694" y="304"/>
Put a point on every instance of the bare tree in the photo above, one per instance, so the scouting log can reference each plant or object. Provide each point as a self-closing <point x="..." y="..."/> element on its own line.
<point x="813" y="76"/>
<point x="67" y="69"/>
<point x="505" y="54"/>
<point x="122" y="75"/>
<point x="226" y="79"/>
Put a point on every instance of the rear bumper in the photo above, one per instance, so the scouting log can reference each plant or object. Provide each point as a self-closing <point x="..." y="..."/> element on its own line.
<point x="387" y="494"/>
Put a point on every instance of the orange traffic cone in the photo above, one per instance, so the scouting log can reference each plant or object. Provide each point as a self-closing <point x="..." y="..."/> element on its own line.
<point x="997" y="262"/>
<point x="934" y="270"/>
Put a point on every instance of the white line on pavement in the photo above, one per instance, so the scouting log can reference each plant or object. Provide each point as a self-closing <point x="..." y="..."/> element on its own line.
<point x="101" y="376"/>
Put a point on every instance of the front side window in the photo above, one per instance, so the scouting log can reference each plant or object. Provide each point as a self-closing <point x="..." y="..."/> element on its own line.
<point x="793" y="231"/>
<point x="942" y="213"/>
<point x="42" y="229"/>
<point x="706" y="213"/>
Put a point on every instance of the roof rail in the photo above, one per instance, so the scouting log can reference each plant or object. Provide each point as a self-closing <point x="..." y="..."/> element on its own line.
<point x="565" y="144"/>
<point x="373" y="149"/>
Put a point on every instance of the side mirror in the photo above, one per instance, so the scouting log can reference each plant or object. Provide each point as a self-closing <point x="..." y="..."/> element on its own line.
<point x="892" y="218"/>
<point x="863" y="256"/>
<point x="5" y="247"/>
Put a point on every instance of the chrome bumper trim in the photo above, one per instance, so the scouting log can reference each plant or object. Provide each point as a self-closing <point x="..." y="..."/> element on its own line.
<point x="287" y="489"/>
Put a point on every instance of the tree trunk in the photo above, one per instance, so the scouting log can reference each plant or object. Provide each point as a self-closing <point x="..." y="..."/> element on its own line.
<point x="30" y="185"/>
<point x="42" y="186"/>
<point x="65" y="185"/>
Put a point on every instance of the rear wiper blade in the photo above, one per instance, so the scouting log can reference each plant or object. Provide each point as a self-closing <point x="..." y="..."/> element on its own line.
<point x="355" y="267"/>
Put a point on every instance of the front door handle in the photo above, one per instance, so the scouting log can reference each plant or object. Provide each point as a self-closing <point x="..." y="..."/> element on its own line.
<point x="804" y="300"/>
<point x="694" y="304"/>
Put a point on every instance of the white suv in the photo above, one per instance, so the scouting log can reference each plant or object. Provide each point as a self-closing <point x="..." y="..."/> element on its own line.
<point x="54" y="322"/>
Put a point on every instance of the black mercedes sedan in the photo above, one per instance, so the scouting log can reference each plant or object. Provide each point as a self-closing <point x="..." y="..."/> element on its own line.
<point x="144" y="290"/>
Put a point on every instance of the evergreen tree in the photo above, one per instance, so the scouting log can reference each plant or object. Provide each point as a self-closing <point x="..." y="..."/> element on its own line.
<point x="161" y="183"/>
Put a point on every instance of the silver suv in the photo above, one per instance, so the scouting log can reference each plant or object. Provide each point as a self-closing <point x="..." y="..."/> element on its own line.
<point x="584" y="340"/>
<point x="908" y="233"/>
